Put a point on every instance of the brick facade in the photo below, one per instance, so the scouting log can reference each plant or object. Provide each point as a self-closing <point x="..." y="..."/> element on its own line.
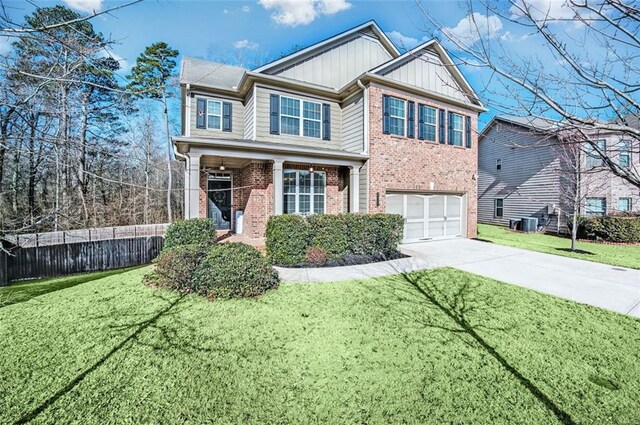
<point x="405" y="164"/>
<point x="253" y="193"/>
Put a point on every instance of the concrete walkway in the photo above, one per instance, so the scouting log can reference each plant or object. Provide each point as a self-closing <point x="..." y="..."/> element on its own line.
<point x="600" y="285"/>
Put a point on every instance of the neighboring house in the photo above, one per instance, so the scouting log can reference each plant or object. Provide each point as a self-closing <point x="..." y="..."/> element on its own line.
<point x="526" y="171"/>
<point x="346" y="125"/>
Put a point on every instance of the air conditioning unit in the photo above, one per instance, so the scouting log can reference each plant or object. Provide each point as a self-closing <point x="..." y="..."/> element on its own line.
<point x="529" y="224"/>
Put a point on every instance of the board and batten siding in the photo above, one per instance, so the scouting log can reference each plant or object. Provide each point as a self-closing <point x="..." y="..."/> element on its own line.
<point x="339" y="64"/>
<point x="249" y="130"/>
<point x="529" y="180"/>
<point x="427" y="71"/>
<point x="353" y="124"/>
<point x="237" y="119"/>
<point x="263" y="132"/>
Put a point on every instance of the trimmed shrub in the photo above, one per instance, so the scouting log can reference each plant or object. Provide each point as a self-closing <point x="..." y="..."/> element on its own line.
<point x="287" y="238"/>
<point x="175" y="267"/>
<point x="290" y="236"/>
<point x="233" y="270"/>
<point x="620" y="229"/>
<point x="195" y="231"/>
<point x="315" y="255"/>
<point x="330" y="233"/>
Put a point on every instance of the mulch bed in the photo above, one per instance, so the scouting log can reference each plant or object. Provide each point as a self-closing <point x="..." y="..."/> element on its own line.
<point x="351" y="260"/>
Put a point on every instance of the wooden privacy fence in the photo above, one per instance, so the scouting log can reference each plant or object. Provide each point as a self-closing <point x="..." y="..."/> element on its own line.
<point x="36" y="255"/>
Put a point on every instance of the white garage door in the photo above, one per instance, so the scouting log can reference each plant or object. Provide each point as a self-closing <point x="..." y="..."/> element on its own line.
<point x="428" y="216"/>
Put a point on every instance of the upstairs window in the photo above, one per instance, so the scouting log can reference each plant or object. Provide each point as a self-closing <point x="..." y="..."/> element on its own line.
<point x="499" y="164"/>
<point x="427" y="121"/>
<point x="214" y="115"/>
<point x="457" y="129"/>
<point x="596" y="206"/>
<point x="305" y="121"/>
<point x="593" y="158"/>
<point x="624" y="157"/>
<point x="396" y="116"/>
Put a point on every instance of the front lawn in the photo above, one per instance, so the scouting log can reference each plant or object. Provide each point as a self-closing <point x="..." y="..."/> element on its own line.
<point x="616" y="255"/>
<point x="440" y="346"/>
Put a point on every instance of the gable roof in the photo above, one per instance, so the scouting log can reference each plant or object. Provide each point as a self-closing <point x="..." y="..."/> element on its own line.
<point x="532" y="123"/>
<point x="210" y="74"/>
<point x="432" y="46"/>
<point x="371" y="25"/>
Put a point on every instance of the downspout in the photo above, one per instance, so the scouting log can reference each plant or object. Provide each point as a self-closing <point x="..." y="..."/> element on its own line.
<point x="185" y="199"/>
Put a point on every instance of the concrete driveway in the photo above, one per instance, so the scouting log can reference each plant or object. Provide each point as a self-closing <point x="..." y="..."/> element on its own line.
<point x="600" y="285"/>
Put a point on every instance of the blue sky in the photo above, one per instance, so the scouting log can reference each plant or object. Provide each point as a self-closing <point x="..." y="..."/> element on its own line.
<point x="265" y="28"/>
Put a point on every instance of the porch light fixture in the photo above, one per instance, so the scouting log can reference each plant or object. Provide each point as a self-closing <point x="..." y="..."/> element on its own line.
<point x="311" y="168"/>
<point x="222" y="165"/>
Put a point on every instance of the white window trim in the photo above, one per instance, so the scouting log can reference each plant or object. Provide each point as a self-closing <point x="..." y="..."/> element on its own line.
<point x="208" y="114"/>
<point x="454" y="130"/>
<point x="435" y="123"/>
<point x="598" y="214"/>
<point x="403" y="117"/>
<point x="300" y="117"/>
<point x="311" y="193"/>
<point x="629" y="200"/>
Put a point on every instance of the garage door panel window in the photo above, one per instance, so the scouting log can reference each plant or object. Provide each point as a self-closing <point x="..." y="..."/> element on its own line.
<point x="415" y="207"/>
<point x="304" y="192"/>
<point x="436" y="206"/>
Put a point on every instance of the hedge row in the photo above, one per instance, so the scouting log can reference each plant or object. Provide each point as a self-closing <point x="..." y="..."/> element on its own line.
<point x="192" y="262"/>
<point x="291" y="238"/>
<point x="621" y="229"/>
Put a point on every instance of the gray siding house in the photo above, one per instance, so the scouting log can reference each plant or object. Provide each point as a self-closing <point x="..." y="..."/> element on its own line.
<point x="524" y="170"/>
<point x="344" y="125"/>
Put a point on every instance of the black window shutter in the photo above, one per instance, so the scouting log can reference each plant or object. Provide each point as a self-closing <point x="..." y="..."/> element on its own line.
<point x="467" y="126"/>
<point x="326" y="121"/>
<point x="442" y="126"/>
<point x="226" y="116"/>
<point x="450" y="127"/>
<point x="201" y="113"/>
<point x="421" y="122"/>
<point x="411" y="121"/>
<point x="385" y="114"/>
<point x="275" y="114"/>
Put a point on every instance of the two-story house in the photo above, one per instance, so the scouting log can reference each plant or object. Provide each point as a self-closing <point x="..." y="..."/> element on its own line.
<point x="528" y="167"/>
<point x="348" y="124"/>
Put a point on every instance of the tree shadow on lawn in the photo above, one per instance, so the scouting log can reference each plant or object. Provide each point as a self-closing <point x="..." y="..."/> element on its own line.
<point x="139" y="328"/>
<point x="456" y="307"/>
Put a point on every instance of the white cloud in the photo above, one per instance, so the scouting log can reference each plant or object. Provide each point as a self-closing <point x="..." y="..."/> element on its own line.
<point x="226" y="11"/>
<point x="402" y="40"/>
<point x="5" y="45"/>
<point x="245" y="44"/>
<point x="245" y="9"/>
<point x="541" y="9"/>
<point x="88" y="6"/>
<point x="302" y="12"/>
<point x="472" y="27"/>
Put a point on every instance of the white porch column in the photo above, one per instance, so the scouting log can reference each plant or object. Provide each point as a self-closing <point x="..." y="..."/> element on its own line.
<point x="354" y="189"/>
<point x="187" y="164"/>
<point x="194" y="186"/>
<point x="278" y="197"/>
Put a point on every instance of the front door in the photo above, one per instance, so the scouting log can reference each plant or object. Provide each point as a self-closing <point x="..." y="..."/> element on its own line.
<point x="219" y="201"/>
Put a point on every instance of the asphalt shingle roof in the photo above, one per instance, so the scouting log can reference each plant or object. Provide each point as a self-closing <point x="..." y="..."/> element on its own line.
<point x="210" y="74"/>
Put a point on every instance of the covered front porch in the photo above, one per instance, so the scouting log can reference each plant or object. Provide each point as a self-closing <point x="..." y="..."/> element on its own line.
<point x="241" y="185"/>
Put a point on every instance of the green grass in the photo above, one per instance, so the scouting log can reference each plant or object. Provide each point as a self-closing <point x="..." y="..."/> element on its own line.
<point x="22" y="291"/>
<point x="615" y="255"/>
<point x="440" y="346"/>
